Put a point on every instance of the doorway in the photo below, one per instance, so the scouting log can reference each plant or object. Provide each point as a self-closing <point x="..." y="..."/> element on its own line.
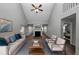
<point x="68" y="32"/>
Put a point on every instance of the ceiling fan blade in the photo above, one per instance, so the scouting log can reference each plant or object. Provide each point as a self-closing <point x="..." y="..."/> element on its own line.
<point x="40" y="9"/>
<point x="40" y="6"/>
<point x="33" y="6"/>
<point x="32" y="9"/>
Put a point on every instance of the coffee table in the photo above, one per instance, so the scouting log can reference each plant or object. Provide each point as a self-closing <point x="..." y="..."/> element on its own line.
<point x="36" y="50"/>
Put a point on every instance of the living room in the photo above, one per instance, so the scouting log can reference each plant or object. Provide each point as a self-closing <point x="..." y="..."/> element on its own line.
<point x="39" y="28"/>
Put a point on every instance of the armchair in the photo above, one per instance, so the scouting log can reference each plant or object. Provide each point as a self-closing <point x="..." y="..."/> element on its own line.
<point x="59" y="46"/>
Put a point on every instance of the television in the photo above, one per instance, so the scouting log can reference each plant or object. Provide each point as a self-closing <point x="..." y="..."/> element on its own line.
<point x="37" y="33"/>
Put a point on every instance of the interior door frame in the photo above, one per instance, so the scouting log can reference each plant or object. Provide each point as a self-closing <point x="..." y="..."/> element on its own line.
<point x="62" y="23"/>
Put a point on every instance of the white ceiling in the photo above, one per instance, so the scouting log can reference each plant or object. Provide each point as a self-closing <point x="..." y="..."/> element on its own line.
<point x="40" y="17"/>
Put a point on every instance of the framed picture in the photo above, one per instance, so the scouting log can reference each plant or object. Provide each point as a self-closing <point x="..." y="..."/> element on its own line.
<point x="5" y="25"/>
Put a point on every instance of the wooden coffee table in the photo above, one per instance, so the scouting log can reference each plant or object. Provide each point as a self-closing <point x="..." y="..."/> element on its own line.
<point x="36" y="50"/>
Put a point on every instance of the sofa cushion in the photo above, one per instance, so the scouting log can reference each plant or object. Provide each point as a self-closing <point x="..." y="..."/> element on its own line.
<point x="3" y="42"/>
<point x="18" y="36"/>
<point x="47" y="40"/>
<point x="58" y="47"/>
<point x="53" y="36"/>
<point x="12" y="38"/>
<point x="60" y="41"/>
<point x="7" y="39"/>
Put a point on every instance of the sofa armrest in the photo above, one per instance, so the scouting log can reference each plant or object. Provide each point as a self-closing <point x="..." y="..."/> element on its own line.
<point x="23" y="36"/>
<point x="4" y="50"/>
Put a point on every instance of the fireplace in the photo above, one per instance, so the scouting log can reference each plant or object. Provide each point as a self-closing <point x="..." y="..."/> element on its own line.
<point x="37" y="33"/>
<point x="37" y="30"/>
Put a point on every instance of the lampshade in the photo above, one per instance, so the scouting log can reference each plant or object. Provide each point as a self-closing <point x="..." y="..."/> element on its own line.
<point x="22" y="30"/>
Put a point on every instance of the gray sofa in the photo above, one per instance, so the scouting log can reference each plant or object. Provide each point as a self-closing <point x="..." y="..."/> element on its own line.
<point x="12" y="48"/>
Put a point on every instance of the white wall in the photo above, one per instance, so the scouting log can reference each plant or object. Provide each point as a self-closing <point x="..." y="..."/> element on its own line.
<point x="40" y="17"/>
<point x="54" y="25"/>
<point x="12" y="11"/>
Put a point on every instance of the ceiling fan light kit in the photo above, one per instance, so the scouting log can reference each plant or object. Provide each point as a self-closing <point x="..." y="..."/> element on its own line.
<point x="36" y="9"/>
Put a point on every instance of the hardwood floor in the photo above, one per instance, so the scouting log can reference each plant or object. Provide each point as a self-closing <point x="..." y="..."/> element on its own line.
<point x="70" y="49"/>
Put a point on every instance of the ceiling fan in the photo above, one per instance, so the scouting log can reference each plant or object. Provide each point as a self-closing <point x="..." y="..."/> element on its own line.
<point x="36" y="9"/>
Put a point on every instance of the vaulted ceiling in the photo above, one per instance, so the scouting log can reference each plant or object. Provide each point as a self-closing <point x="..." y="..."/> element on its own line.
<point x="37" y="18"/>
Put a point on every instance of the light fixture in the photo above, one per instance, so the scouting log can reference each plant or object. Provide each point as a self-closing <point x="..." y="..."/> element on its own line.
<point x="36" y="9"/>
<point x="22" y="30"/>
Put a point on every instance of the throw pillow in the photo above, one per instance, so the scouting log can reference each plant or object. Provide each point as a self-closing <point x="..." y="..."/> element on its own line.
<point x="12" y="38"/>
<point x="18" y="36"/>
<point x="3" y="42"/>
